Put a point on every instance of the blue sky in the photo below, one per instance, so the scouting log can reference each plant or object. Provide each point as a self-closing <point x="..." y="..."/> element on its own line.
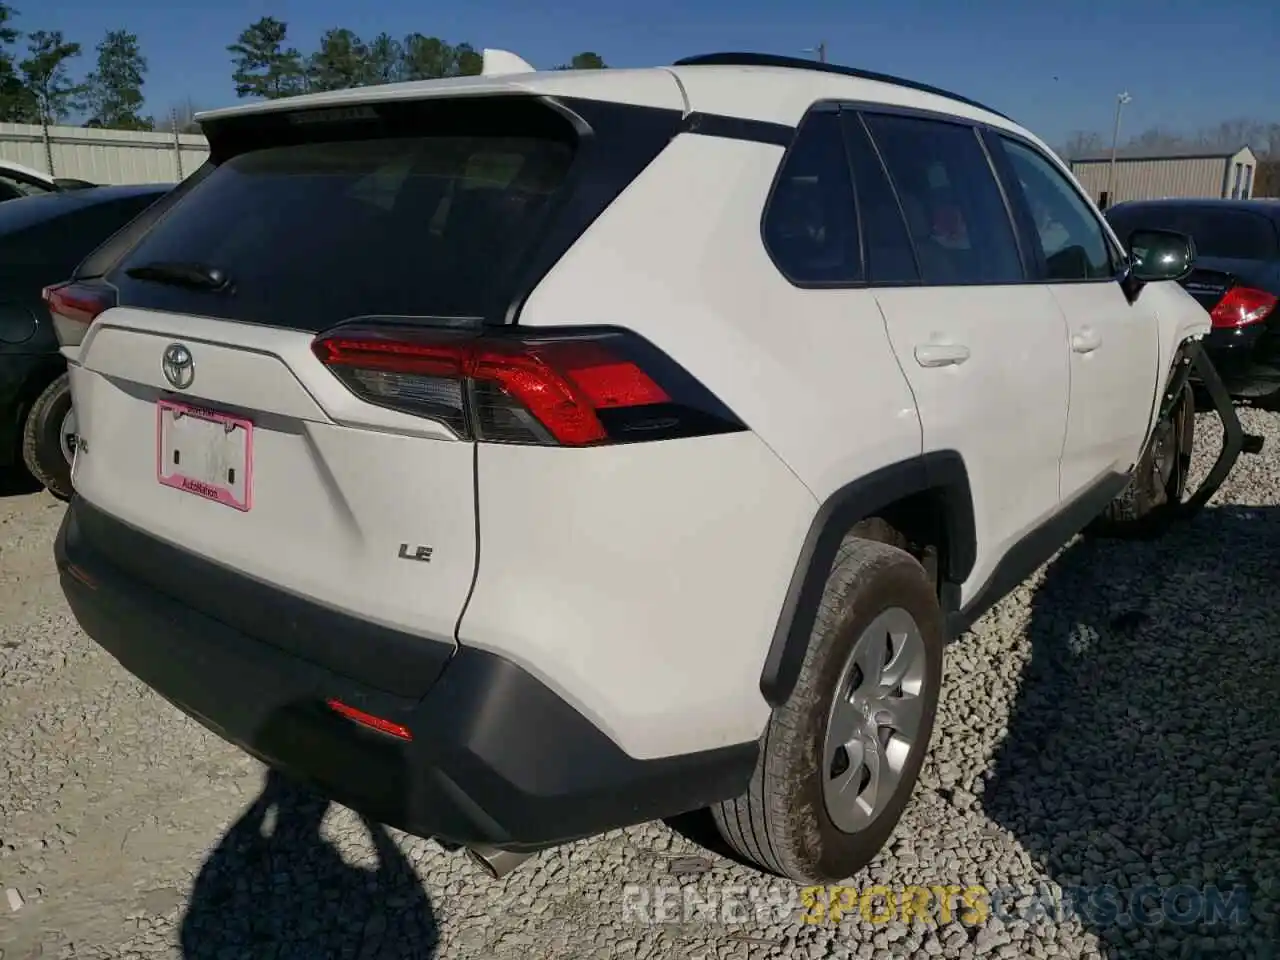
<point x="1055" y="67"/>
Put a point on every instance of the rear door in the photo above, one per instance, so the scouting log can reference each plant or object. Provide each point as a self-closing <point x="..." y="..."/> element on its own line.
<point x="1115" y="344"/>
<point x="985" y="350"/>
<point x="208" y="421"/>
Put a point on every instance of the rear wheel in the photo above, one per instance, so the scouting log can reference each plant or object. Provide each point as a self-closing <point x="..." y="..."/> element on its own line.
<point x="840" y="758"/>
<point x="49" y="438"/>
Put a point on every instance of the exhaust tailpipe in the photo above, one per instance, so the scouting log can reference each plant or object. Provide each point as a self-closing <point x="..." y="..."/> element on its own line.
<point x="496" y="863"/>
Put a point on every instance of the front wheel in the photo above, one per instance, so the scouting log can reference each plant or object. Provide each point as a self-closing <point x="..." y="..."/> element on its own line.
<point x="49" y="438"/>
<point x="839" y="760"/>
<point x="1159" y="481"/>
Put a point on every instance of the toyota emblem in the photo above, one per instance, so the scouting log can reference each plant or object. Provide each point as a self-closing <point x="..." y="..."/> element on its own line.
<point x="179" y="368"/>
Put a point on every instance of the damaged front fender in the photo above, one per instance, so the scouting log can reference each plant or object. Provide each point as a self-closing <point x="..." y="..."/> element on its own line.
<point x="1234" y="440"/>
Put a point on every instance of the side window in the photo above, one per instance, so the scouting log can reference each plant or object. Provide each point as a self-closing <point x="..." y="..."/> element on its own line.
<point x="1074" y="244"/>
<point x="811" y="225"/>
<point x="954" y="210"/>
<point x="890" y="258"/>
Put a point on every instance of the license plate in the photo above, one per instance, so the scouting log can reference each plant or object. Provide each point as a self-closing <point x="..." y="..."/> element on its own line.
<point x="205" y="452"/>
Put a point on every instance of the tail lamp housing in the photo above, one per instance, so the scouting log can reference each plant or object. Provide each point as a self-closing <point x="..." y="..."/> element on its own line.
<point x="74" y="305"/>
<point x="551" y="387"/>
<point x="1242" y="306"/>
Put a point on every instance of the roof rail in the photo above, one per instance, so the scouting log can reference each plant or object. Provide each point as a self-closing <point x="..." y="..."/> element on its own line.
<point x="799" y="63"/>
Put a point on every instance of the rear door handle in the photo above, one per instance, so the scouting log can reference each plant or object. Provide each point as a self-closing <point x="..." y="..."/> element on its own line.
<point x="1086" y="341"/>
<point x="941" y="354"/>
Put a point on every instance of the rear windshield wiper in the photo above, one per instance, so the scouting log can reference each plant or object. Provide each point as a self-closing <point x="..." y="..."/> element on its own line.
<point x="196" y="275"/>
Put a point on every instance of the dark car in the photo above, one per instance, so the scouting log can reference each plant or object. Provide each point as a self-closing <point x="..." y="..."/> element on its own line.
<point x="1236" y="278"/>
<point x="42" y="240"/>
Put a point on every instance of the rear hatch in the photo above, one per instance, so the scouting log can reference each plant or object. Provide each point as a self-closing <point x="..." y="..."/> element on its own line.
<point x="208" y="420"/>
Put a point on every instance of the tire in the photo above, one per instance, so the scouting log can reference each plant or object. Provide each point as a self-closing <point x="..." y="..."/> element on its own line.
<point x="1148" y="503"/>
<point x="42" y="443"/>
<point x="783" y="823"/>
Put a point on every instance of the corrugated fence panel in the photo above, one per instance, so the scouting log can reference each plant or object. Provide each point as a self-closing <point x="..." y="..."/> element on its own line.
<point x="104" y="156"/>
<point x="1153" y="179"/>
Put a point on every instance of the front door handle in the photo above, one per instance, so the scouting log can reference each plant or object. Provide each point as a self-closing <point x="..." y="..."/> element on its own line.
<point x="941" y="354"/>
<point x="1086" y="341"/>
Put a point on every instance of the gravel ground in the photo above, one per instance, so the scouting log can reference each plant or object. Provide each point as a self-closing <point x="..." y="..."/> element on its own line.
<point x="1112" y="723"/>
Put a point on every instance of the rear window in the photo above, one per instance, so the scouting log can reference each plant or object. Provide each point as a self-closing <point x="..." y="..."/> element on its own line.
<point x="1230" y="234"/>
<point x="58" y="233"/>
<point x="316" y="232"/>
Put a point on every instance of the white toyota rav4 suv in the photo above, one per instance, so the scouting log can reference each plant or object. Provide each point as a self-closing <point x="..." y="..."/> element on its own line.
<point x="523" y="456"/>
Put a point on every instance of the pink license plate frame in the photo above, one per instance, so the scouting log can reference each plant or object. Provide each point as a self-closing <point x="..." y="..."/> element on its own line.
<point x="219" y="493"/>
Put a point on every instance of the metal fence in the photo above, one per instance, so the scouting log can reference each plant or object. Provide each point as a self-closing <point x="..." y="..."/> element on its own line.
<point x="103" y="156"/>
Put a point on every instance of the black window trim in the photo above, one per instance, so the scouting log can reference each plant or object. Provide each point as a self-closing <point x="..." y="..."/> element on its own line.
<point x="851" y="116"/>
<point x="1004" y="166"/>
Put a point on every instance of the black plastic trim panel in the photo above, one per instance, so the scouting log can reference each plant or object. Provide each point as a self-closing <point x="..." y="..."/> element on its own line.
<point x="496" y="757"/>
<point x="943" y="471"/>
<point x="737" y="128"/>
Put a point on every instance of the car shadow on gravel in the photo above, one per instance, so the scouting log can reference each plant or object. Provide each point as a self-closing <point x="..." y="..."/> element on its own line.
<point x="274" y="887"/>
<point x="1144" y="747"/>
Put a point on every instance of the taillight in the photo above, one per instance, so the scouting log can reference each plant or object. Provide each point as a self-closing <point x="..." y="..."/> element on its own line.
<point x="1241" y="306"/>
<point x="566" y="388"/>
<point x="73" y="307"/>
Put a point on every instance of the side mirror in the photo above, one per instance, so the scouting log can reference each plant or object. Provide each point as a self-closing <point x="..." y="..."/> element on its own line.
<point x="1156" y="255"/>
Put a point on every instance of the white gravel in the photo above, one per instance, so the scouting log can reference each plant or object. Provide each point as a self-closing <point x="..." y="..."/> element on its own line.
<point x="1113" y="722"/>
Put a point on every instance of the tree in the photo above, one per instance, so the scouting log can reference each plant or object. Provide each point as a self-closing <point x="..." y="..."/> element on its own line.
<point x="386" y="59"/>
<point x="264" y="66"/>
<point x="427" y="58"/>
<point x="113" y="91"/>
<point x="341" y="62"/>
<point x="17" y="104"/>
<point x="45" y="74"/>
<point x="467" y="61"/>
<point x="585" y="61"/>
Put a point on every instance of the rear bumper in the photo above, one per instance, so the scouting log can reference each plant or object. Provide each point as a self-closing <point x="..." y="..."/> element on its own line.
<point x="495" y="758"/>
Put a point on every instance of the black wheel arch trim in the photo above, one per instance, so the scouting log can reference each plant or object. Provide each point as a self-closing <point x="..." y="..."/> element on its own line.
<point x="941" y="471"/>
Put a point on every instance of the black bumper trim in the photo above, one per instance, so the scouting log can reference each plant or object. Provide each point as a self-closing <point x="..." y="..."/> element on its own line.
<point x="496" y="757"/>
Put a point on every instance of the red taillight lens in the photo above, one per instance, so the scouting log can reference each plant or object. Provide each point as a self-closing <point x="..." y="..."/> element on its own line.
<point x="74" y="306"/>
<point x="1241" y="306"/>
<point x="570" y="389"/>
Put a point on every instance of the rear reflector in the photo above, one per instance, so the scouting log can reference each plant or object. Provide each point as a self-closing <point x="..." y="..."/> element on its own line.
<point x="369" y="720"/>
<point x="1241" y="306"/>
<point x="74" y="306"/>
<point x="575" y="388"/>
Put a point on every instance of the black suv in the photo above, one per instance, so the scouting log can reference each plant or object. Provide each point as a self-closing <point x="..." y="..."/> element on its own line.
<point x="1236" y="278"/>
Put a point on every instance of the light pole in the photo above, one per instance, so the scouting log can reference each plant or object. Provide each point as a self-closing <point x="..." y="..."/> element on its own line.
<point x="1121" y="100"/>
<point x="820" y="50"/>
